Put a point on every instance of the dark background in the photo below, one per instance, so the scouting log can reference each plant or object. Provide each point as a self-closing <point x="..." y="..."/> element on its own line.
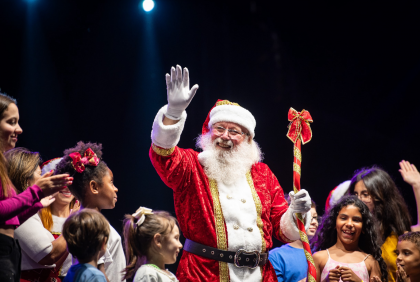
<point x="94" y="71"/>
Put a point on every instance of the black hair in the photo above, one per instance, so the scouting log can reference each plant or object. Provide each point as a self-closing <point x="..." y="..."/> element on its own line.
<point x="326" y="236"/>
<point x="390" y="208"/>
<point x="81" y="180"/>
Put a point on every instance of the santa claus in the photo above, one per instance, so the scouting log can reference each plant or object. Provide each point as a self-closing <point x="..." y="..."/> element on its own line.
<point x="229" y="204"/>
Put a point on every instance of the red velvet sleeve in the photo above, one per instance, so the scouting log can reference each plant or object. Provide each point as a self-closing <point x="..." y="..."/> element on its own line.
<point x="176" y="168"/>
<point x="278" y="207"/>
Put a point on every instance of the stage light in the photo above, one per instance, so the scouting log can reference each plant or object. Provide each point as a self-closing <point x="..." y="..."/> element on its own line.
<point x="148" y="5"/>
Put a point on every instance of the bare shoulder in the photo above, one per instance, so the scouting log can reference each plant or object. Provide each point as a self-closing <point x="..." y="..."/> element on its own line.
<point x="371" y="263"/>
<point x="320" y="256"/>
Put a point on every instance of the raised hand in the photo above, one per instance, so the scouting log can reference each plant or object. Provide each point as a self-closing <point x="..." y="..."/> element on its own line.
<point x="48" y="200"/>
<point x="410" y="173"/>
<point x="179" y="92"/>
<point x="52" y="184"/>
<point x="347" y="274"/>
<point x="334" y="274"/>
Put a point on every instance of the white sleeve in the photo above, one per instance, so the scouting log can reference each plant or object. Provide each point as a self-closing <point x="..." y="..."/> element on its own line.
<point x="34" y="239"/>
<point x="167" y="136"/>
<point x="144" y="274"/>
<point x="289" y="227"/>
<point x="115" y="263"/>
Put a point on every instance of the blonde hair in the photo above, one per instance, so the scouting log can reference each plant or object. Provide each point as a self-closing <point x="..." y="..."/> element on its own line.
<point x="138" y="239"/>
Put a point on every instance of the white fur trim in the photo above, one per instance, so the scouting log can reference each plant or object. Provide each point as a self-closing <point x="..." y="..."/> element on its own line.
<point x="339" y="192"/>
<point x="240" y="213"/>
<point x="167" y="136"/>
<point x="50" y="166"/>
<point x="235" y="114"/>
<point x="289" y="227"/>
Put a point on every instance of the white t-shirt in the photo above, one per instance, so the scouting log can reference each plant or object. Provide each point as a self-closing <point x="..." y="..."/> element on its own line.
<point x="149" y="273"/>
<point x="36" y="242"/>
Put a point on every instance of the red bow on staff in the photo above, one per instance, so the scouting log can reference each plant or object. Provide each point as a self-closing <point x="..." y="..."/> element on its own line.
<point x="300" y="130"/>
<point x="299" y="125"/>
<point x="89" y="158"/>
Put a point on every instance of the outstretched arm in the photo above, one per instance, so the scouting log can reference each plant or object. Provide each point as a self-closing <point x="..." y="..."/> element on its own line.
<point x="179" y="94"/>
<point x="411" y="175"/>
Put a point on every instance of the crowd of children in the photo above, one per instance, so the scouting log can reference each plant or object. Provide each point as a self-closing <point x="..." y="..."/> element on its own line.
<point x="48" y="235"/>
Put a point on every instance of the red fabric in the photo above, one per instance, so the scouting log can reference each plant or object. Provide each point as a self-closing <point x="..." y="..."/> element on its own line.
<point x="205" y="128"/>
<point x="183" y="173"/>
<point x="299" y="125"/>
<point x="89" y="158"/>
<point x="327" y="203"/>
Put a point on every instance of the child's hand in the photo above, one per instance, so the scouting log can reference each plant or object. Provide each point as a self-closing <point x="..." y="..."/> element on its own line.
<point x="375" y="279"/>
<point x="401" y="275"/>
<point x="76" y="207"/>
<point x="334" y="274"/>
<point x="410" y="174"/>
<point x="348" y="275"/>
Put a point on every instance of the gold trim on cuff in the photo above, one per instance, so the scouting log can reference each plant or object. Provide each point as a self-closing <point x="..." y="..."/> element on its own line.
<point x="161" y="151"/>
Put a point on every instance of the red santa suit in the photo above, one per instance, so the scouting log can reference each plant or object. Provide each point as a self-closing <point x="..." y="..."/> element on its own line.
<point x="243" y="215"/>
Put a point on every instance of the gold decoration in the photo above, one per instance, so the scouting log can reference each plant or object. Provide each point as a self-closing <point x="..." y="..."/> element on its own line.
<point x="220" y="229"/>
<point x="258" y="206"/>
<point x="161" y="151"/>
<point x="297" y="153"/>
<point x="226" y="102"/>
<point x="296" y="168"/>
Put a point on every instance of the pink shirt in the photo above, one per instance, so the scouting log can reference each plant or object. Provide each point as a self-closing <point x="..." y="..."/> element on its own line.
<point x="15" y="209"/>
<point x="358" y="268"/>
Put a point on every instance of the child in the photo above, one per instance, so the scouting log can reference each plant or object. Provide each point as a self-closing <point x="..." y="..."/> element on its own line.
<point x="86" y="233"/>
<point x="93" y="186"/>
<point x="347" y="244"/>
<point x="289" y="261"/>
<point x="151" y="240"/>
<point x="408" y="257"/>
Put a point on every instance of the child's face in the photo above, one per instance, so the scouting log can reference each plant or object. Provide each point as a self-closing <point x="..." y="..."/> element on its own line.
<point x="107" y="192"/>
<point x="349" y="224"/>
<point x="314" y="224"/>
<point x="171" y="246"/>
<point x="408" y="256"/>
<point x="363" y="194"/>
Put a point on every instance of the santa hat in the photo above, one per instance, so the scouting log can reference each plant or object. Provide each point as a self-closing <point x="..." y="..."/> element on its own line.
<point x="50" y="165"/>
<point x="227" y="111"/>
<point x="336" y="194"/>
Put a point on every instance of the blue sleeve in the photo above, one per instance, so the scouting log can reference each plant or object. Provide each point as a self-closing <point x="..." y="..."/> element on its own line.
<point x="277" y="261"/>
<point x="97" y="278"/>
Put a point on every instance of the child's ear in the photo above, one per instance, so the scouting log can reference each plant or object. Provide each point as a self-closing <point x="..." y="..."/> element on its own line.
<point x="104" y="244"/>
<point x="94" y="187"/>
<point x="157" y="239"/>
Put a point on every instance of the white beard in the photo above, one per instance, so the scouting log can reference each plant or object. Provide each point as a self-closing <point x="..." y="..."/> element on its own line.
<point x="227" y="165"/>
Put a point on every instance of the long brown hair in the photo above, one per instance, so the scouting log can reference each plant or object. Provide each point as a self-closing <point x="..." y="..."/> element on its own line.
<point x="138" y="239"/>
<point x="390" y="208"/>
<point x="5" y="182"/>
<point x="21" y="166"/>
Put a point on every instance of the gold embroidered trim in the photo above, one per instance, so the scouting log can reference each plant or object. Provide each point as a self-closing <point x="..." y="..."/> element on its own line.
<point x="226" y="102"/>
<point x="296" y="168"/>
<point x="220" y="229"/>
<point x="297" y="153"/>
<point x="258" y="206"/>
<point x="161" y="151"/>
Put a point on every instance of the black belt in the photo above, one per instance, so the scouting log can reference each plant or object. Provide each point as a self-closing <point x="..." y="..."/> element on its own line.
<point x="240" y="258"/>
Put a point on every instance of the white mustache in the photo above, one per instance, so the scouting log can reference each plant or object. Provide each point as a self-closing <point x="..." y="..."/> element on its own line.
<point x="224" y="142"/>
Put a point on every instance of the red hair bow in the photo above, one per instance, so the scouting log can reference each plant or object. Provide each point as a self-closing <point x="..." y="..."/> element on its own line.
<point x="89" y="158"/>
<point x="299" y="126"/>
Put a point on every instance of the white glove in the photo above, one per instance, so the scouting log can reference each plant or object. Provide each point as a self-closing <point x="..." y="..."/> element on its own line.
<point x="300" y="202"/>
<point x="179" y="92"/>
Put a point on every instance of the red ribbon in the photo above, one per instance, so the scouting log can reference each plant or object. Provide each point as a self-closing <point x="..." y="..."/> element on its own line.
<point x="89" y="158"/>
<point x="299" y="126"/>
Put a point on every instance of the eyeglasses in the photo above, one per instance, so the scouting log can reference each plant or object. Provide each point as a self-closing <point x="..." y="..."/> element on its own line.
<point x="232" y="133"/>
<point x="364" y="196"/>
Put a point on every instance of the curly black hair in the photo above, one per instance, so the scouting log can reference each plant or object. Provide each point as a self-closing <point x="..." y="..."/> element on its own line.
<point x="81" y="180"/>
<point x="390" y="208"/>
<point x="326" y="236"/>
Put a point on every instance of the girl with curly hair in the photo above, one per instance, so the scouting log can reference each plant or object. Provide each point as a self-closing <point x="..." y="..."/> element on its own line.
<point x="346" y="244"/>
<point x="375" y="187"/>
<point x="93" y="186"/>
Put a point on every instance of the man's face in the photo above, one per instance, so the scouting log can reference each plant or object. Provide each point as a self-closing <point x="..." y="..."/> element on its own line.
<point x="228" y="135"/>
